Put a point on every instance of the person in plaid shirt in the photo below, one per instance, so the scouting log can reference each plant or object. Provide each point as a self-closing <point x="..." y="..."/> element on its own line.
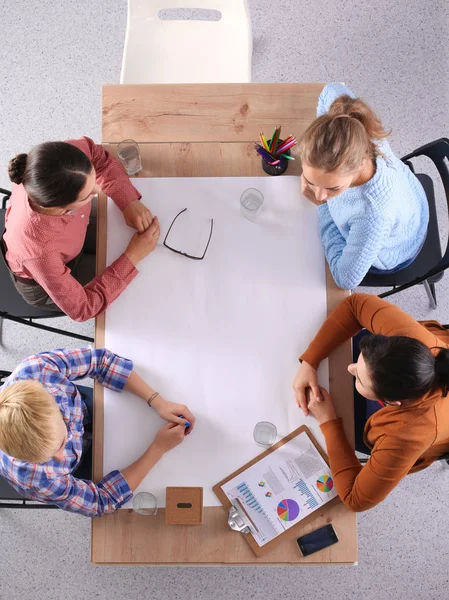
<point x="43" y="419"/>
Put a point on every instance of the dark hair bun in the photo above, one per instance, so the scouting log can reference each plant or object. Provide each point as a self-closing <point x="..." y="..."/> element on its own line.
<point x="16" y="168"/>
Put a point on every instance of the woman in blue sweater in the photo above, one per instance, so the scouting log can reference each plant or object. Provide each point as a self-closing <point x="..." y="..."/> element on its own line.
<point x="373" y="211"/>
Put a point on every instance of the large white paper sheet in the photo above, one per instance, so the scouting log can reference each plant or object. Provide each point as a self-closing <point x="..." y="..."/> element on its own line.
<point x="282" y="488"/>
<point x="221" y="335"/>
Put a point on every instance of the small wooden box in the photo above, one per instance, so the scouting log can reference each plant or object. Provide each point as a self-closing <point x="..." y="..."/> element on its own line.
<point x="184" y="506"/>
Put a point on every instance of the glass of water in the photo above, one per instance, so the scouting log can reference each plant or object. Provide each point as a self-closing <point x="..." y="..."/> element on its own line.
<point x="251" y="203"/>
<point x="265" y="433"/>
<point x="129" y="154"/>
<point x="145" y="504"/>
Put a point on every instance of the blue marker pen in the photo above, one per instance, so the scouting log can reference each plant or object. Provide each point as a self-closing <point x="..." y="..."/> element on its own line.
<point x="187" y="423"/>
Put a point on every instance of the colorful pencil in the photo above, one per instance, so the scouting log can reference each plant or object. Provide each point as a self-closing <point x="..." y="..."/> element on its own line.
<point x="264" y="142"/>
<point x="286" y="146"/>
<point x="262" y="148"/>
<point x="275" y="139"/>
<point x="274" y="151"/>
<point x="265" y="155"/>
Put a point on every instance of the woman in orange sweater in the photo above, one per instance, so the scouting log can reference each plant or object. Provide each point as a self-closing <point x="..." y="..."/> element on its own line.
<point x="404" y="364"/>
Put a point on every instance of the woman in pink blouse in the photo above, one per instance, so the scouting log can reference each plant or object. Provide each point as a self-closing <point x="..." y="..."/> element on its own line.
<point x="48" y="245"/>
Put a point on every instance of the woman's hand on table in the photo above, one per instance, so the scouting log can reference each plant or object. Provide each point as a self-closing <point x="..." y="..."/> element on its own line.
<point x="142" y="244"/>
<point x="175" y="413"/>
<point x="306" y="377"/>
<point x="168" y="437"/>
<point x="138" y="216"/>
<point x="323" y="410"/>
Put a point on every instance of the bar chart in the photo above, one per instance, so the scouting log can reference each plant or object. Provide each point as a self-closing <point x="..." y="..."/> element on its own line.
<point x="249" y="497"/>
<point x="311" y="502"/>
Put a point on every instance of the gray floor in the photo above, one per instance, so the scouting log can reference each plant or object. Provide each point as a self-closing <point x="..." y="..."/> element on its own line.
<point x="54" y="58"/>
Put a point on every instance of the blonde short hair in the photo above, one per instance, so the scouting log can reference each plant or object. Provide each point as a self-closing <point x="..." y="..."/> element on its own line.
<point x="29" y="425"/>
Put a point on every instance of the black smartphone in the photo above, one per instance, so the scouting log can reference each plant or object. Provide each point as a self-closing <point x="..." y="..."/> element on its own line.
<point x="317" y="540"/>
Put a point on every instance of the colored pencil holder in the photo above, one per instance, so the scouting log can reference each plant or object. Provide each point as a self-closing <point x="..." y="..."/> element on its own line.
<point x="276" y="169"/>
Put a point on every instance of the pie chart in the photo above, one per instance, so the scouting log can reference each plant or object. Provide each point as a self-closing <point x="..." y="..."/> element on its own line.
<point x="325" y="483"/>
<point x="288" y="510"/>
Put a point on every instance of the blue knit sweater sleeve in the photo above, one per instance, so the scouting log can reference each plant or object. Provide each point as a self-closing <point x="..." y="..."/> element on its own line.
<point x="350" y="259"/>
<point x="330" y="92"/>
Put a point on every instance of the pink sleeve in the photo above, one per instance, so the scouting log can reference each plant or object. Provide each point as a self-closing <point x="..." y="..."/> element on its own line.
<point x="78" y="302"/>
<point x="111" y="176"/>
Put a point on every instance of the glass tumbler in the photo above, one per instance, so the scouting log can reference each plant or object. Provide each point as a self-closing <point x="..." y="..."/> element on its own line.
<point x="251" y="203"/>
<point x="265" y="433"/>
<point x="145" y="504"/>
<point x="128" y="152"/>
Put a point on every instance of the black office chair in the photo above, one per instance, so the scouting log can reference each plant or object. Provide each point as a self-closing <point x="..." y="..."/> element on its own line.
<point x="429" y="266"/>
<point x="12" y="306"/>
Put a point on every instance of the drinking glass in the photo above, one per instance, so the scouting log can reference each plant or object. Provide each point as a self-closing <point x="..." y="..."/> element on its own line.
<point x="251" y="203"/>
<point x="128" y="152"/>
<point x="265" y="433"/>
<point x="145" y="504"/>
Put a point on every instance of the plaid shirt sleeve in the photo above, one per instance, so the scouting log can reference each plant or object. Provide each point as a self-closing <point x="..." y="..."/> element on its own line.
<point x="100" y="364"/>
<point x="81" y="496"/>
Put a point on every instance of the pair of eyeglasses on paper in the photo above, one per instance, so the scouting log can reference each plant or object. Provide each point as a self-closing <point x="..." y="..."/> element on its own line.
<point x="185" y="253"/>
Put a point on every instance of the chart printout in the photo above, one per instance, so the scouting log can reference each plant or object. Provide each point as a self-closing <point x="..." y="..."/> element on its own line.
<point x="282" y="488"/>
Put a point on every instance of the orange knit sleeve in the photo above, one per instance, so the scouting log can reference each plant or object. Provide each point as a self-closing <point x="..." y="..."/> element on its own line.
<point x="361" y="488"/>
<point x="363" y="311"/>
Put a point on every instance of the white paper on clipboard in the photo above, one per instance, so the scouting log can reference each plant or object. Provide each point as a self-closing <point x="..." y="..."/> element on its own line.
<point x="282" y="488"/>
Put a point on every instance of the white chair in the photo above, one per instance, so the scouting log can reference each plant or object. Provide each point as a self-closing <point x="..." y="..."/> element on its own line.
<point x="187" y="51"/>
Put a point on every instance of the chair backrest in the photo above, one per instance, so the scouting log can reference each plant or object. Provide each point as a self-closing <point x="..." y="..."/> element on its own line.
<point x="12" y="305"/>
<point x="177" y="50"/>
<point x="151" y="8"/>
<point x="438" y="152"/>
<point x="3" y="376"/>
<point x="6" y="194"/>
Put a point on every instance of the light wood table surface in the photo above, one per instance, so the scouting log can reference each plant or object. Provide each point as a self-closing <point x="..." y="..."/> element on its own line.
<point x="208" y="131"/>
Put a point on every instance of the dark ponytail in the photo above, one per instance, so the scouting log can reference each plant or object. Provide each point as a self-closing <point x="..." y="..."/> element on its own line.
<point x="403" y="368"/>
<point x="53" y="173"/>
<point x="442" y="370"/>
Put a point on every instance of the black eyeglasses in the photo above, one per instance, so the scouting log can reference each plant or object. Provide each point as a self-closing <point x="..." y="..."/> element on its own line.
<point x="184" y="253"/>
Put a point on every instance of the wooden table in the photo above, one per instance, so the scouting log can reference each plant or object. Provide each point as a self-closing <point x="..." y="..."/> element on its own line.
<point x="208" y="131"/>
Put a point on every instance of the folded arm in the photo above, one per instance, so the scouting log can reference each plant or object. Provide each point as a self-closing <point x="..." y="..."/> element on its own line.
<point x="350" y="260"/>
<point x="363" y="311"/>
<point x="111" y="176"/>
<point x="84" y="497"/>
<point x="362" y="487"/>
<point x="78" y="302"/>
<point x="100" y="364"/>
<point x="330" y="92"/>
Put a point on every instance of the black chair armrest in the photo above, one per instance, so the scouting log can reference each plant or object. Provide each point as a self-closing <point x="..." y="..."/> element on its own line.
<point x="6" y="196"/>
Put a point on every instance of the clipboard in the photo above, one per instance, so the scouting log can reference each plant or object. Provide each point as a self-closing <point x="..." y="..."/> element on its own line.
<point x="292" y="532"/>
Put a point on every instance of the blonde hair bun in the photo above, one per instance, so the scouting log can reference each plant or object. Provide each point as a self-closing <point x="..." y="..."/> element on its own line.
<point x="342" y="138"/>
